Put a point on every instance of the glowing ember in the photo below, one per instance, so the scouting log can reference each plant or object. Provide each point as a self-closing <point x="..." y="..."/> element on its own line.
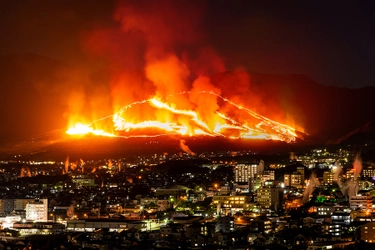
<point x="154" y="117"/>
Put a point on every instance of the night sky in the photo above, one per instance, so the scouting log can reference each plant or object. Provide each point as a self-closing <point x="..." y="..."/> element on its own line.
<point x="330" y="41"/>
<point x="89" y="57"/>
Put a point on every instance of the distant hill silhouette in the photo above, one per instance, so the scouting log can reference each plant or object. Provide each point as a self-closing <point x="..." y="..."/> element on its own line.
<point x="326" y="112"/>
<point x="362" y="135"/>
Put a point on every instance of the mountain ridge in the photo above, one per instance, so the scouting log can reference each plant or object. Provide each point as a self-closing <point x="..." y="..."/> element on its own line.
<point x="33" y="83"/>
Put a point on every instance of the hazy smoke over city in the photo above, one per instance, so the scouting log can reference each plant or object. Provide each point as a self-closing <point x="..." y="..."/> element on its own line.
<point x="337" y="174"/>
<point x="261" y="167"/>
<point x="311" y="184"/>
<point x="351" y="186"/>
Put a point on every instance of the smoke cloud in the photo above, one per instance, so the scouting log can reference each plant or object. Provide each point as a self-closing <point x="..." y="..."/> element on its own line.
<point x="158" y="49"/>
<point x="154" y="48"/>
<point x="185" y="148"/>
<point x="261" y="167"/>
<point x="312" y="183"/>
<point x="351" y="187"/>
<point x="337" y="174"/>
<point x="357" y="166"/>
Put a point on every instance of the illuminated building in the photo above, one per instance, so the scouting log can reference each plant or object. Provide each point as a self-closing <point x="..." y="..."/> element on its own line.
<point x="332" y="229"/>
<point x="368" y="173"/>
<point x="20" y="204"/>
<point x="368" y="232"/>
<point x="112" y="225"/>
<point x="361" y="202"/>
<point x="243" y="172"/>
<point x="7" y="222"/>
<point x="262" y="225"/>
<point x="39" y="228"/>
<point x="328" y="177"/>
<point x="83" y="180"/>
<point x="294" y="180"/>
<point x="301" y="170"/>
<point x="224" y="224"/>
<point x="255" y="184"/>
<point x="340" y="221"/>
<point x="7" y="206"/>
<point x="341" y="218"/>
<point x="240" y="188"/>
<point x="268" y="175"/>
<point x="269" y="197"/>
<point x="349" y="174"/>
<point x="326" y="209"/>
<point x="36" y="212"/>
<point x="230" y="204"/>
<point x="252" y="174"/>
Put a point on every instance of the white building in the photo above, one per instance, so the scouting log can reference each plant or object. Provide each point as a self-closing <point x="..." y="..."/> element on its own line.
<point x="37" y="210"/>
<point x="243" y="172"/>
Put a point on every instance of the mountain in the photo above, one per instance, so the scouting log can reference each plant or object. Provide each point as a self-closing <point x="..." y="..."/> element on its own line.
<point x="362" y="135"/>
<point x="326" y="112"/>
<point x="361" y="139"/>
<point x="36" y="93"/>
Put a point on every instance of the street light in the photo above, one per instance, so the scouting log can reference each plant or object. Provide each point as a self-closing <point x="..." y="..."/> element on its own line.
<point x="171" y="200"/>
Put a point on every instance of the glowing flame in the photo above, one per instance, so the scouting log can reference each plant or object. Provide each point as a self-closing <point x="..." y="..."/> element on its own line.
<point x="231" y="121"/>
<point x="82" y="129"/>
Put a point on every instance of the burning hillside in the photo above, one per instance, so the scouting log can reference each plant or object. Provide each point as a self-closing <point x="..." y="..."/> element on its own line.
<point x="160" y="68"/>
<point x="153" y="117"/>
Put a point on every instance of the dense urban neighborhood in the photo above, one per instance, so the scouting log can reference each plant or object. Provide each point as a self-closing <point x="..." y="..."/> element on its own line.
<point x="322" y="199"/>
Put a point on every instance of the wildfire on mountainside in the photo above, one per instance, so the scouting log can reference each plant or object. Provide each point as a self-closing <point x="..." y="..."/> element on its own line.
<point x="161" y="81"/>
<point x="154" y="117"/>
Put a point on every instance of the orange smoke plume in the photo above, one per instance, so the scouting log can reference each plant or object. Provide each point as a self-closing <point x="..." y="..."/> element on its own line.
<point x="162" y="80"/>
<point x="185" y="148"/>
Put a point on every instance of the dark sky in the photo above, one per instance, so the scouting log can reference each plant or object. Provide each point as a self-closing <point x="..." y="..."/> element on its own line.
<point x="330" y="41"/>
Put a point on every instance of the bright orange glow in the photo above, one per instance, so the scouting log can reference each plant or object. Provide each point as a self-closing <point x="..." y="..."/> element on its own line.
<point x="155" y="117"/>
<point x="82" y="129"/>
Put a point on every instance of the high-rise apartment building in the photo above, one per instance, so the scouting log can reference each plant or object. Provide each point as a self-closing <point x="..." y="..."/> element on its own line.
<point x="7" y="206"/>
<point x="242" y="172"/>
<point x="328" y="177"/>
<point x="269" y="197"/>
<point x="368" y="173"/>
<point x="37" y="211"/>
<point x="294" y="180"/>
